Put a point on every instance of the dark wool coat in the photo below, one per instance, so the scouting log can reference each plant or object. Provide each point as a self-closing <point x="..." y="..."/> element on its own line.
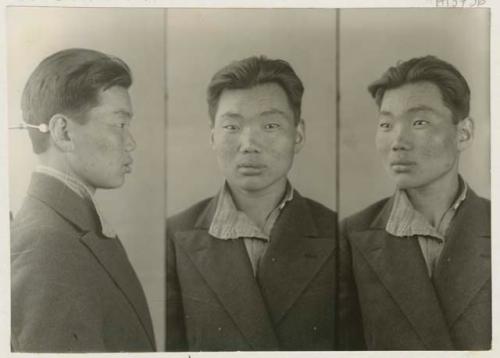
<point x="383" y="283"/>
<point x="214" y="303"/>
<point x="73" y="290"/>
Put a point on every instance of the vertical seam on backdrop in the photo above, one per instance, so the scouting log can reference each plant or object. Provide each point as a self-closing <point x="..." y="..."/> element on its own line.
<point x="165" y="126"/>
<point x="337" y="167"/>
<point x="337" y="109"/>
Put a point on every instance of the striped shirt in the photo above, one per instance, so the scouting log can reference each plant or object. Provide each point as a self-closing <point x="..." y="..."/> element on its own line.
<point x="405" y="221"/>
<point x="82" y="190"/>
<point x="230" y="223"/>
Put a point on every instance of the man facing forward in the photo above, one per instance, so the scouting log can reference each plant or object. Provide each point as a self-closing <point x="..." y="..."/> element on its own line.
<point x="416" y="267"/>
<point x="252" y="268"/>
<point x="73" y="288"/>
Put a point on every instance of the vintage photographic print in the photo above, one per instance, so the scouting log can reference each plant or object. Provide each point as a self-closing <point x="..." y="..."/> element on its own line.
<point x="202" y="179"/>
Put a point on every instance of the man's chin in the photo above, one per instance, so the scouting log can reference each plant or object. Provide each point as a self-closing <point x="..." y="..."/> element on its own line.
<point x="250" y="184"/>
<point x="404" y="183"/>
<point x="403" y="180"/>
<point x="111" y="185"/>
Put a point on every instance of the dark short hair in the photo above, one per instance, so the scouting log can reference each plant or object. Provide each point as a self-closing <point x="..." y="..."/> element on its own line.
<point x="69" y="82"/>
<point x="253" y="71"/>
<point x="454" y="89"/>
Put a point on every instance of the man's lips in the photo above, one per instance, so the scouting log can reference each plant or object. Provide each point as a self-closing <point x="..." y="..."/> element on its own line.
<point x="128" y="165"/>
<point x="402" y="165"/>
<point x="403" y="162"/>
<point x="251" y="165"/>
<point x="250" y="168"/>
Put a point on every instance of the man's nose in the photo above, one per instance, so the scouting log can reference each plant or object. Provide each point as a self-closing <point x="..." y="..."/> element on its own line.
<point x="401" y="137"/>
<point x="130" y="144"/>
<point x="249" y="140"/>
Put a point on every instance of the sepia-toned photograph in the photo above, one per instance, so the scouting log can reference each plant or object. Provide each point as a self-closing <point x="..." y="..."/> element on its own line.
<point x="249" y="179"/>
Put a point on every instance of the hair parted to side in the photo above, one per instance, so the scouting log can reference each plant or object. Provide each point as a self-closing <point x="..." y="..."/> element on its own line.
<point x="253" y="71"/>
<point x="69" y="82"/>
<point x="454" y="89"/>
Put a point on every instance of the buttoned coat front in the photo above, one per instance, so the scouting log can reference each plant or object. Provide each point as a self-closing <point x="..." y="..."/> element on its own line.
<point x="73" y="290"/>
<point x="214" y="302"/>
<point x="384" y="283"/>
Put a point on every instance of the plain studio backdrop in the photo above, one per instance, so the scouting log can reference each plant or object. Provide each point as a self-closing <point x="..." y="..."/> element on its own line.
<point x="135" y="210"/>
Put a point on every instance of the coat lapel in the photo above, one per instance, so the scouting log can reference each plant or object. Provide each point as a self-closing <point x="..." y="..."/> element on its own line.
<point x="108" y="252"/>
<point x="465" y="264"/>
<point x="225" y="266"/>
<point x="400" y="267"/>
<point x="295" y="255"/>
<point x="113" y="258"/>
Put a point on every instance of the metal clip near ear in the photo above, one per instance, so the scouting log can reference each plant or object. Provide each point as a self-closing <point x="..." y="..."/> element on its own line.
<point x="44" y="128"/>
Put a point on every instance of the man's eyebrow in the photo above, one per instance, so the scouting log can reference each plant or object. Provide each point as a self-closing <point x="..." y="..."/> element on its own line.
<point x="421" y="108"/>
<point x="230" y="114"/>
<point x="274" y="111"/>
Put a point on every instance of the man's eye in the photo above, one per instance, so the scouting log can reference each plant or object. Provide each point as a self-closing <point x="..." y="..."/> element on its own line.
<point x="230" y="127"/>
<point x="384" y="125"/>
<point x="271" y="126"/>
<point x="420" y="123"/>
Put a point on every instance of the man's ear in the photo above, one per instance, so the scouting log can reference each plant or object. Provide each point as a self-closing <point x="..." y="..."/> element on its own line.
<point x="465" y="133"/>
<point x="59" y="132"/>
<point x="300" y="135"/>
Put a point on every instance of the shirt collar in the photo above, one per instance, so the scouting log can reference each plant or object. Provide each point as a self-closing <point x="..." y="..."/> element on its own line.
<point x="230" y="223"/>
<point x="405" y="221"/>
<point x="72" y="182"/>
<point x="82" y="190"/>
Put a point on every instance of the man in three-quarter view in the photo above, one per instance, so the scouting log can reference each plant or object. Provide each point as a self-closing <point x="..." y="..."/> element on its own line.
<point x="253" y="267"/>
<point x="415" y="270"/>
<point x="73" y="287"/>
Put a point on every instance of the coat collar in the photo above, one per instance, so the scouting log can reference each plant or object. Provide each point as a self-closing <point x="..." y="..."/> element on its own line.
<point x="81" y="213"/>
<point x="432" y="306"/>
<point x="380" y="221"/>
<point x="64" y="201"/>
<point x="465" y="263"/>
<point x="294" y="256"/>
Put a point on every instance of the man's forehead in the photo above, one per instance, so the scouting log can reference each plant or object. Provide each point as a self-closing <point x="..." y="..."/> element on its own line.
<point x="115" y="101"/>
<point x="263" y="100"/>
<point x="417" y="97"/>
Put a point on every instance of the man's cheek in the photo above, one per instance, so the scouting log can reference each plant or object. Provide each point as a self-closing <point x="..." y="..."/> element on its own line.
<point x="434" y="148"/>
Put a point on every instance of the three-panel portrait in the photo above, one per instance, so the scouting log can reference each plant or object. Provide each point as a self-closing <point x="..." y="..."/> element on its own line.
<point x="259" y="180"/>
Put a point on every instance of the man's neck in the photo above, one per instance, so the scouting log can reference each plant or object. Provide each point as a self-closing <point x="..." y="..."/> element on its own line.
<point x="59" y="164"/>
<point x="257" y="205"/>
<point x="433" y="200"/>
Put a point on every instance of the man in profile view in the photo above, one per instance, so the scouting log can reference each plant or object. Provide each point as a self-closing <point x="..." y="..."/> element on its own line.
<point x="252" y="268"/>
<point x="73" y="287"/>
<point x="415" y="269"/>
